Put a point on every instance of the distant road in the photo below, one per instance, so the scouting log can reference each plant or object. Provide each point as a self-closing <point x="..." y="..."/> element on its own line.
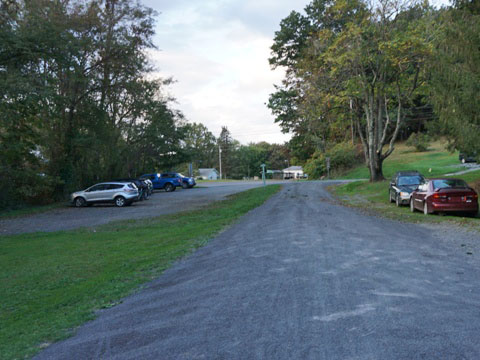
<point x="302" y="278"/>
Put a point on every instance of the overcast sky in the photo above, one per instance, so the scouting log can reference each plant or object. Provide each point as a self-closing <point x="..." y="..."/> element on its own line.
<point x="217" y="51"/>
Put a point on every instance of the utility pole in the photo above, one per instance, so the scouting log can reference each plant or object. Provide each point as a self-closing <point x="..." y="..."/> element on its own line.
<point x="351" y="122"/>
<point x="220" y="160"/>
<point x="263" y="173"/>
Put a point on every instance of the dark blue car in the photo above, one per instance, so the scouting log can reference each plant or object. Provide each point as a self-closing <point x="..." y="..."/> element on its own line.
<point x="166" y="181"/>
<point x="187" y="182"/>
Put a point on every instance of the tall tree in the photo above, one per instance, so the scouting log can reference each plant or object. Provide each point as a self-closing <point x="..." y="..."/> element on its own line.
<point x="363" y="64"/>
<point x="227" y="146"/>
<point x="455" y="74"/>
<point x="200" y="145"/>
<point x="76" y="105"/>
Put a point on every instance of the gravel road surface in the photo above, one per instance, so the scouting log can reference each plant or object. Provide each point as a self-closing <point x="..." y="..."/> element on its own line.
<point x="161" y="203"/>
<point x="302" y="278"/>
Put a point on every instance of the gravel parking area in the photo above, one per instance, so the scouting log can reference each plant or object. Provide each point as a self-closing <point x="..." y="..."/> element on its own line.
<point x="160" y="203"/>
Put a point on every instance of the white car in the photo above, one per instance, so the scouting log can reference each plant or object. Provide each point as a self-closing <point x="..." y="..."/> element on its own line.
<point x="121" y="194"/>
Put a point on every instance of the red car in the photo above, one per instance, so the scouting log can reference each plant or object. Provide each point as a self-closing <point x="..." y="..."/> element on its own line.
<point x="444" y="195"/>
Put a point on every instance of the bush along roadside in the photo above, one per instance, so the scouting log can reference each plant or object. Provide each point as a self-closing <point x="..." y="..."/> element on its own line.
<point x="342" y="156"/>
<point x="419" y="141"/>
<point x="52" y="282"/>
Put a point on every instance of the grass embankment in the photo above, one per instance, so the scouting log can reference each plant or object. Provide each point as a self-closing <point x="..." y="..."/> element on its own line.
<point x="435" y="162"/>
<point x="374" y="196"/>
<point x="52" y="282"/>
<point x="29" y="210"/>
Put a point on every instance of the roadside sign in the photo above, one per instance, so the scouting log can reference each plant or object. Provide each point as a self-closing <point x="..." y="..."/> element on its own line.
<point x="263" y="173"/>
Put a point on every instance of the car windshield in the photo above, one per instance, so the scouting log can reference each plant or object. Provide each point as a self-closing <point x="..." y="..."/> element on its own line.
<point x="181" y="175"/>
<point x="449" y="183"/>
<point x="410" y="180"/>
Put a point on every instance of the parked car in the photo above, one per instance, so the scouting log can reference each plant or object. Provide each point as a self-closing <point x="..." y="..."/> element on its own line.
<point x="444" y="195"/>
<point x="402" y="185"/>
<point x="187" y="182"/>
<point x="119" y="193"/>
<point x="141" y="185"/>
<point x="467" y="157"/>
<point x="167" y="181"/>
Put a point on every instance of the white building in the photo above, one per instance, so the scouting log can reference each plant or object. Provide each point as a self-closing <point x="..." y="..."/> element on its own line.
<point x="208" y="174"/>
<point x="293" y="172"/>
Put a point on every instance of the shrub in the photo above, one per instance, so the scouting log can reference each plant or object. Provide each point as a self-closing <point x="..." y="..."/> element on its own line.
<point x="315" y="167"/>
<point x="342" y="156"/>
<point x="25" y="187"/>
<point x="419" y="141"/>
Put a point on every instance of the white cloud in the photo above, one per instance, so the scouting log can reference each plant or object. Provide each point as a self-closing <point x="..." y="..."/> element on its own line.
<point x="218" y="53"/>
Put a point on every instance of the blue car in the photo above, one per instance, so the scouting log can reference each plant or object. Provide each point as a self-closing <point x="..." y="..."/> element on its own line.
<point x="187" y="182"/>
<point x="168" y="181"/>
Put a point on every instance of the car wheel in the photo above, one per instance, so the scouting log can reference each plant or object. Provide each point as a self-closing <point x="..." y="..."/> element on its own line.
<point x="390" y="196"/>
<point x="184" y="186"/>
<point x="80" y="202"/>
<point x="120" y="201"/>
<point x="412" y="207"/>
<point x="397" y="201"/>
<point x="169" y="187"/>
<point x="425" y="208"/>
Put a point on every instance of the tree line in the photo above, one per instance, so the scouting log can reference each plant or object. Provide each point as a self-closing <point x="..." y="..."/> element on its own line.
<point x="79" y="103"/>
<point x="371" y="72"/>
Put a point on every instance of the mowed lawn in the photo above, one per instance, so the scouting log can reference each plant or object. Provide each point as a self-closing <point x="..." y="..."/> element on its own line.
<point x="52" y="282"/>
<point x="433" y="163"/>
<point x="436" y="161"/>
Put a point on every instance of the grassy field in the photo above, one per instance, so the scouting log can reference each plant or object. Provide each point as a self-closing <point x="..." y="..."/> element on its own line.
<point x="374" y="196"/>
<point x="52" y="282"/>
<point x="436" y="161"/>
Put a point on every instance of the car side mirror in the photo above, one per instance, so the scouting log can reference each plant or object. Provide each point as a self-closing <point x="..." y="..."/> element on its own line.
<point x="392" y="183"/>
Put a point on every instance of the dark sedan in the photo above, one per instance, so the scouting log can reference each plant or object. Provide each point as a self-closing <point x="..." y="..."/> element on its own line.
<point x="402" y="185"/>
<point x="444" y="195"/>
<point x="466" y="157"/>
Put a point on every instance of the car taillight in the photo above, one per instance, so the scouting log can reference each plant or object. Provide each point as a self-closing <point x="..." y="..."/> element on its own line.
<point x="438" y="196"/>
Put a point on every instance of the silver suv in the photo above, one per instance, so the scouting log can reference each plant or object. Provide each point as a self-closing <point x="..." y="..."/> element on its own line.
<point x="119" y="193"/>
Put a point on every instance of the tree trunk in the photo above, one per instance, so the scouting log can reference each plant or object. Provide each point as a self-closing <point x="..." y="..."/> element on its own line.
<point x="375" y="167"/>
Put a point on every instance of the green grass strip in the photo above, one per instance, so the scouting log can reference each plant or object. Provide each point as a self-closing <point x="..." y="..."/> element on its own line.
<point x="52" y="282"/>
